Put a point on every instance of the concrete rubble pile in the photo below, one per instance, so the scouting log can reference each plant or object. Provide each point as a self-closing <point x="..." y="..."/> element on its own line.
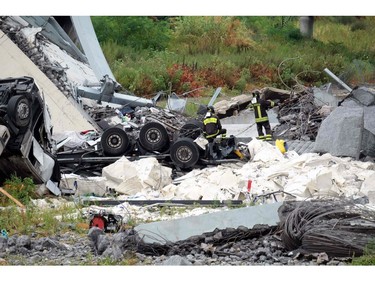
<point x="324" y="228"/>
<point x="290" y="176"/>
<point x="299" y="117"/>
<point x="343" y="134"/>
<point x="350" y="129"/>
<point x="225" y="108"/>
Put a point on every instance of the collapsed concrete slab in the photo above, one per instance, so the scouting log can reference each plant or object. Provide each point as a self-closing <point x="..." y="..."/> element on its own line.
<point x="182" y="229"/>
<point x="364" y="101"/>
<point x="364" y="95"/>
<point x="64" y="115"/>
<point x="230" y="107"/>
<point x="341" y="133"/>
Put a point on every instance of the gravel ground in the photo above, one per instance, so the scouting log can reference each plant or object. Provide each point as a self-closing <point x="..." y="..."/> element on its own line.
<point x="98" y="248"/>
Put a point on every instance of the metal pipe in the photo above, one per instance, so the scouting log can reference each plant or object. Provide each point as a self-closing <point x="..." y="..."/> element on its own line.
<point x="338" y="80"/>
<point x="176" y="203"/>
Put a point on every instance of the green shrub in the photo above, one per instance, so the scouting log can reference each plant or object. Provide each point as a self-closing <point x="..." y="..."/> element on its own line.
<point x="347" y="20"/>
<point x="358" y="25"/>
<point x="215" y="50"/>
<point x="45" y="221"/>
<point x="21" y="189"/>
<point x="138" y="32"/>
<point x="368" y="257"/>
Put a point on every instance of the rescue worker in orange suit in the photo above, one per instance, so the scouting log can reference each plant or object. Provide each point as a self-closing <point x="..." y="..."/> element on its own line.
<point x="212" y="128"/>
<point x="260" y="107"/>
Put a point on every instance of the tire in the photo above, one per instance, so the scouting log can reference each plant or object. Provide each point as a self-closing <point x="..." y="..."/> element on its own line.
<point x="191" y="129"/>
<point x="19" y="111"/>
<point x="184" y="153"/>
<point x="114" y="142"/>
<point x="154" y="137"/>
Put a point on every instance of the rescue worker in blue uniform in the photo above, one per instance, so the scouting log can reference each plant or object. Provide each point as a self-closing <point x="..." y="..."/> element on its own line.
<point x="260" y="107"/>
<point x="212" y="128"/>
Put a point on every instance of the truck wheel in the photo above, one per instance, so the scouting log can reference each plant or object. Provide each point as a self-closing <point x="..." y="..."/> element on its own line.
<point x="184" y="153"/>
<point x="153" y="136"/>
<point x="19" y="111"/>
<point x="114" y="141"/>
<point x="191" y="129"/>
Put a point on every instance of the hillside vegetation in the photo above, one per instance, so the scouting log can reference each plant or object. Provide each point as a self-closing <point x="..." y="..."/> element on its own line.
<point x="181" y="54"/>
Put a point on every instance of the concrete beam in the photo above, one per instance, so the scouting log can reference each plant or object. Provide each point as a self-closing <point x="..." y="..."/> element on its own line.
<point x="64" y="115"/>
<point x="182" y="229"/>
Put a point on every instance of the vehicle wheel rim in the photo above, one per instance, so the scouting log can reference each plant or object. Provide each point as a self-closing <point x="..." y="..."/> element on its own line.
<point x="184" y="154"/>
<point x="153" y="136"/>
<point x="114" y="141"/>
<point x="23" y="110"/>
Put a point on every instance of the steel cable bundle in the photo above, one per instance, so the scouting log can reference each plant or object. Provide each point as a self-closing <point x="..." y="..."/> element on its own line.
<point x="338" y="228"/>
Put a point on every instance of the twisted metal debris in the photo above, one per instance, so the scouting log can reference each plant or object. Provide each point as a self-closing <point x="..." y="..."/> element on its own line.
<point x="216" y="238"/>
<point x="338" y="228"/>
<point x="299" y="117"/>
<point x="34" y="50"/>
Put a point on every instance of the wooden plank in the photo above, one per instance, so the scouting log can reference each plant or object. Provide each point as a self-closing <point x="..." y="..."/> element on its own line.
<point x="19" y="204"/>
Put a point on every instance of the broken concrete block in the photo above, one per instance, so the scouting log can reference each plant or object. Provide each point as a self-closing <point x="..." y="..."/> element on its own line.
<point x="368" y="185"/>
<point x="325" y="110"/>
<point x="364" y="96"/>
<point x="337" y="174"/>
<point x="298" y="187"/>
<point x="368" y="143"/>
<point x="152" y="173"/>
<point x="368" y="138"/>
<point x="321" y="184"/>
<point x="128" y="177"/>
<point x="84" y="185"/>
<point x="131" y="186"/>
<point x="371" y="197"/>
<point x="176" y="260"/>
<point x="263" y="151"/>
<point x="191" y="190"/>
<point x="119" y="170"/>
<point x="369" y="119"/>
<point x="340" y="134"/>
<point x="223" y="178"/>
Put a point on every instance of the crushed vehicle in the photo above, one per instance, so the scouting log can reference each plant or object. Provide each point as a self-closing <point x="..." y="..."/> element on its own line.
<point x="138" y="128"/>
<point x="26" y="146"/>
<point x="152" y="131"/>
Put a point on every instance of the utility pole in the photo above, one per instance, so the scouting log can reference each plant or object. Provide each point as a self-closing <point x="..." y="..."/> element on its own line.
<point x="306" y="26"/>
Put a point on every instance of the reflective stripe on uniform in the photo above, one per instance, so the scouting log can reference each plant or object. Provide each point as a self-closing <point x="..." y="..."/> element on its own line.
<point x="268" y="137"/>
<point x="259" y="113"/>
<point x="261" y="119"/>
<point x="213" y="135"/>
<point x="209" y="120"/>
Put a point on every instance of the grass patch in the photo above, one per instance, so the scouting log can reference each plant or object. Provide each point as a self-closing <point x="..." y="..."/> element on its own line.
<point x="21" y="189"/>
<point x="236" y="53"/>
<point x="368" y="257"/>
<point x="43" y="221"/>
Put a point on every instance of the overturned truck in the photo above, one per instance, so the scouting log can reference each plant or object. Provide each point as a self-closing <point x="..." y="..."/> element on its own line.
<point x="151" y="131"/>
<point x="26" y="147"/>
